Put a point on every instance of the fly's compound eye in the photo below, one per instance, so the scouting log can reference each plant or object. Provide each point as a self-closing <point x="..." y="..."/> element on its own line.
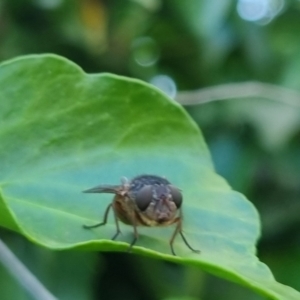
<point x="144" y="197"/>
<point x="176" y="196"/>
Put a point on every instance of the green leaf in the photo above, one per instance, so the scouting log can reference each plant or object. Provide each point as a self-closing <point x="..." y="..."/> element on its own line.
<point x="64" y="131"/>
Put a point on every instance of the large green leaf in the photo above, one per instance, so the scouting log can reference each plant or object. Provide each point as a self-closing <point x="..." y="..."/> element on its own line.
<point x="63" y="131"/>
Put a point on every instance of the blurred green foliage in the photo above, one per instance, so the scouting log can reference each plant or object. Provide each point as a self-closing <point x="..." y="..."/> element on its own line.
<point x="198" y="43"/>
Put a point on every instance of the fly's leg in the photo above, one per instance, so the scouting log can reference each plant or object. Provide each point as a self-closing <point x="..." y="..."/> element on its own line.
<point x="177" y="230"/>
<point x="117" y="225"/>
<point x="105" y="221"/>
<point x="135" y="233"/>
<point x="186" y="242"/>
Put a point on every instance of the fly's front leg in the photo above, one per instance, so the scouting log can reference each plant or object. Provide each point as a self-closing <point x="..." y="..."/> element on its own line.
<point x="177" y="230"/>
<point x="135" y="232"/>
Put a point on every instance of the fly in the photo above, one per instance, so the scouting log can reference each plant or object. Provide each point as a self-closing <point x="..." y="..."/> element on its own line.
<point x="146" y="200"/>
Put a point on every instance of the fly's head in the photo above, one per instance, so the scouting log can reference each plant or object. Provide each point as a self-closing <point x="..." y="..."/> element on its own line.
<point x="156" y="199"/>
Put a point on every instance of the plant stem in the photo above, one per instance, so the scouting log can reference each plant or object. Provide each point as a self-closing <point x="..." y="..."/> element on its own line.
<point x="250" y="89"/>
<point x="23" y="275"/>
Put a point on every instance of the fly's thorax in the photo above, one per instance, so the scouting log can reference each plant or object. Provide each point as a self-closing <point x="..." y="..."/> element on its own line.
<point x="124" y="208"/>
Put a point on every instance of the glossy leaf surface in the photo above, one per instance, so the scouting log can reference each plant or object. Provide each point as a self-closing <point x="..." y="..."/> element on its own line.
<point x="64" y="131"/>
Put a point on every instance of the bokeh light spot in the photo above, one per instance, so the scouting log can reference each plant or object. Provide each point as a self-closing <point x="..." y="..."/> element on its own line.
<point x="166" y="84"/>
<point x="145" y="51"/>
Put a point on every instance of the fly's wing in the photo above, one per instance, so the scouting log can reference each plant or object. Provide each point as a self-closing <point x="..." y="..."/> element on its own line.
<point x="112" y="189"/>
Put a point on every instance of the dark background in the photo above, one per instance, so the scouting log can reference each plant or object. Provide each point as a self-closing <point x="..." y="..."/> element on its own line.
<point x="254" y="142"/>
